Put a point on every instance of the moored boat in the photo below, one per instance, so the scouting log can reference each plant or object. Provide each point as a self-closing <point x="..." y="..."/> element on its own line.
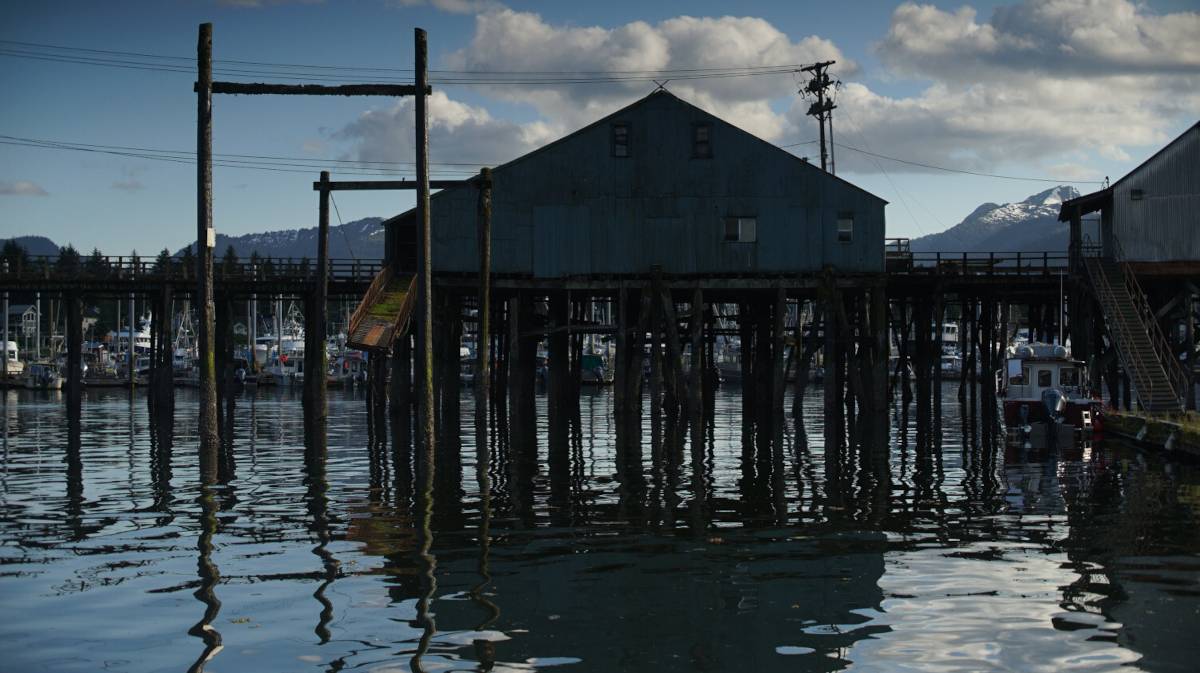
<point x="1043" y="390"/>
<point x="43" y="376"/>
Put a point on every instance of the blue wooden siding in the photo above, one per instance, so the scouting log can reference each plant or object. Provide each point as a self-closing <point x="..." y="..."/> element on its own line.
<point x="572" y="209"/>
<point x="1164" y="224"/>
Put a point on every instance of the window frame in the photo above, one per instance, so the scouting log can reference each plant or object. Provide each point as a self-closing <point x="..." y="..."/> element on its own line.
<point x="627" y="144"/>
<point x="844" y="216"/>
<point x="1049" y="375"/>
<point x="696" y="128"/>
<point x="737" y="221"/>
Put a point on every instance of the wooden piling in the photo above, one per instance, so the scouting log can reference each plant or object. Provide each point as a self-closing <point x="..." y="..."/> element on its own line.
<point x="315" y="363"/>
<point x="424" y="258"/>
<point x="205" y="239"/>
<point x="695" y="398"/>
<point x="558" y="387"/>
<point x="483" y="381"/>
<point x="74" y="305"/>
<point x="778" y="373"/>
<point x="939" y="313"/>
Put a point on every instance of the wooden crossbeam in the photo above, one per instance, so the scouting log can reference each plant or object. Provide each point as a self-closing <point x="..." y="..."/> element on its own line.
<point x="262" y="88"/>
<point x="379" y="185"/>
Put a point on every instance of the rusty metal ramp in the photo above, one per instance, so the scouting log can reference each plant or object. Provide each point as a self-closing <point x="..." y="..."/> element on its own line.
<point x="384" y="312"/>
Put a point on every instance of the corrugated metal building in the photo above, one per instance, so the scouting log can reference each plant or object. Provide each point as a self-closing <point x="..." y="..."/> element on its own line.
<point x="1153" y="213"/>
<point x="660" y="182"/>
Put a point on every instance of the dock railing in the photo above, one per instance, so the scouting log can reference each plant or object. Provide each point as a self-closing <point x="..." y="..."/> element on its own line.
<point x="133" y="267"/>
<point x="1017" y="263"/>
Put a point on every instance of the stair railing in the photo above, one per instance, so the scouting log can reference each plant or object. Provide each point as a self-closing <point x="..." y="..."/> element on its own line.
<point x="1118" y="328"/>
<point x="1176" y="376"/>
<point x="372" y="293"/>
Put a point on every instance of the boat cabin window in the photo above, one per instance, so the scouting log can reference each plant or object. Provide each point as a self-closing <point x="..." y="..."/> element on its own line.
<point x="1016" y="374"/>
<point x="1068" y="377"/>
<point x="1044" y="378"/>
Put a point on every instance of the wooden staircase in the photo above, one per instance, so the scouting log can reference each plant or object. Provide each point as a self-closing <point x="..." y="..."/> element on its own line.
<point x="1157" y="378"/>
<point x="383" y="313"/>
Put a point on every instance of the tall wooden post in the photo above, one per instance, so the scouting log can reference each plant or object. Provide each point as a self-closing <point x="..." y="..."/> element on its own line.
<point x="696" y="324"/>
<point x="424" y="259"/>
<point x="205" y="240"/>
<point x="483" y="381"/>
<point x="939" y="313"/>
<point x="779" y="376"/>
<point x="315" y="397"/>
<point x="4" y="340"/>
<point x="74" y="351"/>
<point x="130" y="350"/>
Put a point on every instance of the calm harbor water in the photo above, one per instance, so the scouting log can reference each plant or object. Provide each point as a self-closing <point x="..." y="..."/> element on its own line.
<point x="717" y="559"/>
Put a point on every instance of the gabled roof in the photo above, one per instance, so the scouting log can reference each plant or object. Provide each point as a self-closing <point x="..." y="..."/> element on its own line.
<point x="656" y="95"/>
<point x="1090" y="203"/>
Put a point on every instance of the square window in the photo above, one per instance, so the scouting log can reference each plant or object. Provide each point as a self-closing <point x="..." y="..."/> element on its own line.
<point x="1044" y="378"/>
<point x="845" y="227"/>
<point x="741" y="229"/>
<point x="702" y="141"/>
<point x="748" y="227"/>
<point x="620" y="140"/>
<point x="731" y="229"/>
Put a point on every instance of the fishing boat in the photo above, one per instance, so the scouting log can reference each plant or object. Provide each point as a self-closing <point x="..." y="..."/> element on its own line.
<point x="43" y="376"/>
<point x="1044" y="392"/>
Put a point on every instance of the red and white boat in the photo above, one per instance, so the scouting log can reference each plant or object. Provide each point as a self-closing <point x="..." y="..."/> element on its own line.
<point x="1042" y="386"/>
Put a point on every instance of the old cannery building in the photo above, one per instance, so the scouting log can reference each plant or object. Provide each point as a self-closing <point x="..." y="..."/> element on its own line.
<point x="1135" y="248"/>
<point x="656" y="228"/>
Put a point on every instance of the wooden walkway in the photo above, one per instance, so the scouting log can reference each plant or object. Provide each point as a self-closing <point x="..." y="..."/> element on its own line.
<point x="148" y="275"/>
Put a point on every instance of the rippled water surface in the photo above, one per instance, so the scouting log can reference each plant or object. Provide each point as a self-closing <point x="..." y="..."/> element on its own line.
<point x="722" y="558"/>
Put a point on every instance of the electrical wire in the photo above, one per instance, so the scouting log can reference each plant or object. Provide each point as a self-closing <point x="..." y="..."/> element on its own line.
<point x="342" y="74"/>
<point x="287" y="165"/>
<point x="967" y="172"/>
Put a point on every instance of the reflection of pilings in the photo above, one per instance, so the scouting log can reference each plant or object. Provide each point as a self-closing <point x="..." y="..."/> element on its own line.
<point x="522" y="381"/>
<point x="318" y="509"/>
<point x="558" y="393"/>
<point x="74" y="460"/>
<point x="483" y="481"/>
<point x="210" y="576"/>
<point x="426" y="563"/>
<point x="448" y="331"/>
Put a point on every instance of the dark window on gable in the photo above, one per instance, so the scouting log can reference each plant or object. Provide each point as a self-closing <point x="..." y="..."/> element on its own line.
<point x="620" y="140"/>
<point x="702" y="141"/>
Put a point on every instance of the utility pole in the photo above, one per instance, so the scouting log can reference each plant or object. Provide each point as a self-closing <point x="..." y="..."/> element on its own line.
<point x="205" y="240"/>
<point x="823" y="107"/>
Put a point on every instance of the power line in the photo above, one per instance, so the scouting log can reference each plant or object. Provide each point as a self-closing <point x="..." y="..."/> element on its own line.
<point x="191" y="59"/>
<point x="189" y="158"/>
<point x="967" y="172"/>
<point x="180" y="64"/>
<point x="191" y="153"/>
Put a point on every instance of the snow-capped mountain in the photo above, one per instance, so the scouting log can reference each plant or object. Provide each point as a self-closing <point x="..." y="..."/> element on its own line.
<point x="360" y="239"/>
<point x="1028" y="226"/>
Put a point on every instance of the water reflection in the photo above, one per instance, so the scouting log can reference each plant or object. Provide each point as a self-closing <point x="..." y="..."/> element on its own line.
<point x="709" y="547"/>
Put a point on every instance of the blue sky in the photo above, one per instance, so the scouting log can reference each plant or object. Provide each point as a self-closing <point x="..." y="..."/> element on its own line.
<point x="1072" y="89"/>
